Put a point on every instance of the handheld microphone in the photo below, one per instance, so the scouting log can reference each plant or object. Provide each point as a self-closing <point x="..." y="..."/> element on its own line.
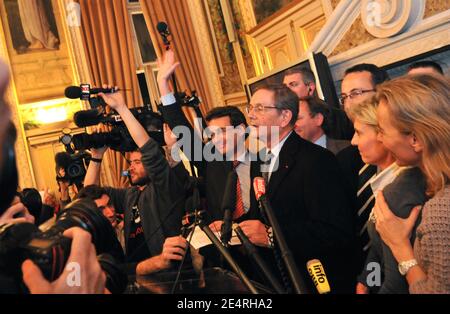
<point x="163" y="30"/>
<point x="315" y="269"/>
<point x="259" y="186"/>
<point x="228" y="207"/>
<point x="84" y="91"/>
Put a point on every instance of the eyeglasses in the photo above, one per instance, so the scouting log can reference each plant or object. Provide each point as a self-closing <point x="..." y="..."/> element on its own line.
<point x="259" y="108"/>
<point x="353" y="94"/>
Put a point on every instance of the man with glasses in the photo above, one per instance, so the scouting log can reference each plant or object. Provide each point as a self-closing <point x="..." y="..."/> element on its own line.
<point x="225" y="152"/>
<point x="305" y="188"/>
<point x="359" y="84"/>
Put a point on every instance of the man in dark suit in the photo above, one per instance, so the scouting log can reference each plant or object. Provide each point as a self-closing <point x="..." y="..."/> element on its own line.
<point x="313" y="124"/>
<point x="358" y="85"/>
<point x="224" y="153"/>
<point x="226" y="127"/>
<point x="305" y="189"/>
<point x="303" y="83"/>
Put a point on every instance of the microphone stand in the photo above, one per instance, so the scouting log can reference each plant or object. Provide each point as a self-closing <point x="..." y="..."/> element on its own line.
<point x="235" y="267"/>
<point x="286" y="254"/>
<point x="164" y="35"/>
<point x="251" y="249"/>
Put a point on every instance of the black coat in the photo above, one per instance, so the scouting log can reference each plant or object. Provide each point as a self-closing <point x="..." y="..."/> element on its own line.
<point x="310" y="201"/>
<point x="213" y="174"/>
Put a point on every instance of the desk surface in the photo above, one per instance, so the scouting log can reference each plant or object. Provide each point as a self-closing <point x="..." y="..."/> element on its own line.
<point x="212" y="281"/>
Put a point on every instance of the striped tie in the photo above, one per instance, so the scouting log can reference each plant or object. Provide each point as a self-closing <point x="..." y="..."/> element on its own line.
<point x="265" y="166"/>
<point x="365" y="202"/>
<point x="239" y="210"/>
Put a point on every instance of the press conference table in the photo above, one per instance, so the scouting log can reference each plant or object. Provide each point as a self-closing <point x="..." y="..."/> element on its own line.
<point x="214" y="281"/>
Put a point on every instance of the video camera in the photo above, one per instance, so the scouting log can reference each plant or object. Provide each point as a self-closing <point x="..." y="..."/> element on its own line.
<point x="50" y="250"/>
<point x="118" y="138"/>
<point x="74" y="165"/>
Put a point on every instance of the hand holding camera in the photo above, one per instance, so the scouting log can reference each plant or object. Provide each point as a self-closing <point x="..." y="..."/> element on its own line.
<point x="85" y="265"/>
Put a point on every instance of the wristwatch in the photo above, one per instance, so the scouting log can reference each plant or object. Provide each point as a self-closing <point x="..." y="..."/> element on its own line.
<point x="97" y="160"/>
<point x="404" y="267"/>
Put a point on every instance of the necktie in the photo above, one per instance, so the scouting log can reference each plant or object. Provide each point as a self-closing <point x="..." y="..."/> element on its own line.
<point x="239" y="209"/>
<point x="266" y="166"/>
<point x="365" y="200"/>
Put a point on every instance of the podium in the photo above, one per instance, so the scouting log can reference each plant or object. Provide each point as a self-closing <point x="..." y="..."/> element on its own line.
<point x="213" y="281"/>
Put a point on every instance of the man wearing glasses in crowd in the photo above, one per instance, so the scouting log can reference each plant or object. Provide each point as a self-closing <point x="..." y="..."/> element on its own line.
<point x="359" y="84"/>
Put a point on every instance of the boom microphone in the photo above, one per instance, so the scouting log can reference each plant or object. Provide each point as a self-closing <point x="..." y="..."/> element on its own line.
<point x="87" y="118"/>
<point x="84" y="91"/>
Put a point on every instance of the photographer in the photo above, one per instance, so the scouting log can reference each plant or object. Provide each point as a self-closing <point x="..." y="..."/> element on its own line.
<point x="93" y="278"/>
<point x="153" y="207"/>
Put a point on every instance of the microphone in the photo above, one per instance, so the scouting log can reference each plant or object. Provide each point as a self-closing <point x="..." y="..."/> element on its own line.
<point x="163" y="30"/>
<point x="228" y="207"/>
<point x="187" y="218"/>
<point x="318" y="276"/>
<point x="192" y="205"/>
<point x="62" y="160"/>
<point x="87" y="118"/>
<point x="84" y="91"/>
<point x="259" y="186"/>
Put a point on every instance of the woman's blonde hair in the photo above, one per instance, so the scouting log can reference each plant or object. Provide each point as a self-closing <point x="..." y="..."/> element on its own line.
<point x="420" y="105"/>
<point x="365" y="112"/>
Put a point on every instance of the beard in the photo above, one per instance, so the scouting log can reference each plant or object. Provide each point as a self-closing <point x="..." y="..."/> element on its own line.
<point x="140" y="181"/>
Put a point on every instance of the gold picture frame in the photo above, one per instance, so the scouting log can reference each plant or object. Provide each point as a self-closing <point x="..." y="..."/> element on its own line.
<point x="39" y="56"/>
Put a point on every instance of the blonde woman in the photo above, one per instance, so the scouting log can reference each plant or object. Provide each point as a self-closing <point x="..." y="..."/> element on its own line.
<point x="406" y="191"/>
<point x="414" y="115"/>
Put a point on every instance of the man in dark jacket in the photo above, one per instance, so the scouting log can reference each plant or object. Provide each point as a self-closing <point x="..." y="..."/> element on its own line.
<point x="305" y="188"/>
<point x="153" y="207"/>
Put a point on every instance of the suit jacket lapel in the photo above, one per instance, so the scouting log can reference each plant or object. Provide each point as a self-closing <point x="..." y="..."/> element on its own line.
<point x="286" y="163"/>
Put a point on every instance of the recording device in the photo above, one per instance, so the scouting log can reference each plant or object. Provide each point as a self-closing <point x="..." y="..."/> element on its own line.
<point x="50" y="250"/>
<point x="32" y="200"/>
<point x="118" y="138"/>
<point x="317" y="273"/>
<point x="228" y="207"/>
<point x="84" y="91"/>
<point x="259" y="186"/>
<point x="163" y="30"/>
<point x="74" y="166"/>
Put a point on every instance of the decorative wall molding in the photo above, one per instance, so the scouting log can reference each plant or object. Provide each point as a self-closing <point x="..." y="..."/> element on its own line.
<point x="76" y="48"/>
<point x="206" y="54"/>
<point x="248" y="15"/>
<point x="336" y="26"/>
<point x="387" y="18"/>
<point x="26" y="176"/>
<point x="410" y="35"/>
<point x="286" y="36"/>
<point x="432" y="33"/>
